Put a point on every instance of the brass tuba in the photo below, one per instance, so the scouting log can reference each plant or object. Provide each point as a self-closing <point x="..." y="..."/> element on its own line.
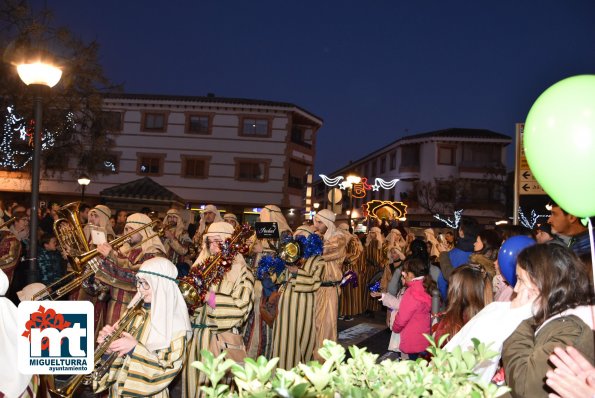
<point x="84" y="262"/>
<point x="102" y="366"/>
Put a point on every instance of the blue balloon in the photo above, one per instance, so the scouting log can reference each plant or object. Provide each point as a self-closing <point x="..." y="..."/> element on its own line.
<point x="508" y="253"/>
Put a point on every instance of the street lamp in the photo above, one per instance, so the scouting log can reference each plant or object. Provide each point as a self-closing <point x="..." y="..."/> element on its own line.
<point x="83" y="182"/>
<point x="38" y="75"/>
<point x="352" y="179"/>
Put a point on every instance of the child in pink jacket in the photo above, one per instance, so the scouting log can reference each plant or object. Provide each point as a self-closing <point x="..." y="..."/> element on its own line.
<point x="413" y="318"/>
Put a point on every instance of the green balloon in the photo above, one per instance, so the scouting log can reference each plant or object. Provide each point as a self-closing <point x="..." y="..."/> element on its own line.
<point x="559" y="140"/>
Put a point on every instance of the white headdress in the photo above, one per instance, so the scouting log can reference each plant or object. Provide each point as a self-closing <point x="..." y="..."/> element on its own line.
<point x="304" y="230"/>
<point x="152" y="245"/>
<point x="272" y="213"/>
<point x="379" y="236"/>
<point x="103" y="213"/>
<point x="202" y="224"/>
<point x="180" y="224"/>
<point x="327" y="217"/>
<point x="220" y="229"/>
<point x="169" y="314"/>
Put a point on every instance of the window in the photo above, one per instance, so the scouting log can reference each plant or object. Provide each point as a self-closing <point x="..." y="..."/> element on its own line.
<point x="446" y="155"/>
<point x="252" y="170"/>
<point x="373" y="170"/>
<point x="302" y="135"/>
<point x="393" y="160"/>
<point x="252" y="127"/>
<point x="297" y="174"/>
<point x="481" y="155"/>
<point x="153" y="122"/>
<point x="193" y="167"/>
<point x="382" y="164"/>
<point x="112" y="120"/>
<point x="410" y="155"/>
<point x="150" y="164"/>
<point x="198" y="124"/>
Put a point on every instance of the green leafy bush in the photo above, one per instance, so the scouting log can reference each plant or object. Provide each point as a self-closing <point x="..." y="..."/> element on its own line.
<point x="448" y="374"/>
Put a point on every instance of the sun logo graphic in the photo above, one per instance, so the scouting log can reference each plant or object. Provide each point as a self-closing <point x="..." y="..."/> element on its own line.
<point x="55" y="337"/>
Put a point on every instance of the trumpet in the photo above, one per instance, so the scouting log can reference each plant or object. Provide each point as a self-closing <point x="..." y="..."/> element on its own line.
<point x="102" y="366"/>
<point x="85" y="265"/>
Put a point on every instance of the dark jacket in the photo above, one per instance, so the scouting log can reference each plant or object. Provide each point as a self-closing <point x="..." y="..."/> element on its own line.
<point x="525" y="354"/>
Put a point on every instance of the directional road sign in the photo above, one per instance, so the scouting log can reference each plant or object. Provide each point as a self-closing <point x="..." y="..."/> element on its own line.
<point x="528" y="185"/>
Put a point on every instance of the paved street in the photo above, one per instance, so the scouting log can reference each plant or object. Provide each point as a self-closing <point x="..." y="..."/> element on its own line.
<point x="369" y="332"/>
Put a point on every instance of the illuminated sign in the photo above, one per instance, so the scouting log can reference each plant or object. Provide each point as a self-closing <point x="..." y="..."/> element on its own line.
<point x="359" y="186"/>
<point x="386" y="209"/>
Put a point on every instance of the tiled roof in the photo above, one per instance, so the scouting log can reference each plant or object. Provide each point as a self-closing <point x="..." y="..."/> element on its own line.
<point x="208" y="99"/>
<point x="144" y="188"/>
<point x="459" y="133"/>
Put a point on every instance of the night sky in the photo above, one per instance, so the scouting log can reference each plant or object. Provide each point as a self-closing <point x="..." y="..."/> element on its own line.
<point x="374" y="71"/>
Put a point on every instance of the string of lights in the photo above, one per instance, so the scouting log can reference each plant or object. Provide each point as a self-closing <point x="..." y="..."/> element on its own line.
<point x="454" y="224"/>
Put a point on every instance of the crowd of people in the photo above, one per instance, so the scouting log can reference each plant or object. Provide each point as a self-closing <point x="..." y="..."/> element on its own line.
<point x="528" y="293"/>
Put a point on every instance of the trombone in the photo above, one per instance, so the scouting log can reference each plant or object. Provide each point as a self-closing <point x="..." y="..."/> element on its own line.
<point x="8" y="222"/>
<point x="81" y="260"/>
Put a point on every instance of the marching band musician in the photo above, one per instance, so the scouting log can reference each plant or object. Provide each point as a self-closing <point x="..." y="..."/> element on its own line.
<point x="226" y="308"/>
<point x="118" y="270"/>
<point x="375" y="262"/>
<point x="258" y="334"/>
<point x="99" y="219"/>
<point x="231" y="219"/>
<point x="293" y="331"/>
<point x="10" y="243"/>
<point x="327" y="297"/>
<point x="352" y="297"/>
<point x="209" y="215"/>
<point x="152" y="352"/>
<point x="175" y="239"/>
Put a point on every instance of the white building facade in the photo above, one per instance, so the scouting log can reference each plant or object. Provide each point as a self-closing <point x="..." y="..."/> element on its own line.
<point x="234" y="153"/>
<point x="439" y="172"/>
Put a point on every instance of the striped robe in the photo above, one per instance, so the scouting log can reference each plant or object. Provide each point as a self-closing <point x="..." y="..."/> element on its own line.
<point x="234" y="299"/>
<point x="144" y="373"/>
<point x="375" y="261"/>
<point x="118" y="274"/>
<point x="327" y="297"/>
<point x="293" y="331"/>
<point x="352" y="298"/>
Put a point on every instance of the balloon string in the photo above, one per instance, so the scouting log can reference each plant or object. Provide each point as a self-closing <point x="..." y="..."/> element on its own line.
<point x="592" y="245"/>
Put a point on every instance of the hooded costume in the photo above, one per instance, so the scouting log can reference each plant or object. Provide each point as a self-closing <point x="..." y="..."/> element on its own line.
<point x="225" y="311"/>
<point x="161" y="331"/>
<point x="327" y="297"/>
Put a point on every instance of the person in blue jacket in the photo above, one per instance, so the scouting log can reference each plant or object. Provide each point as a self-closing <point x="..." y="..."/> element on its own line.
<point x="468" y="230"/>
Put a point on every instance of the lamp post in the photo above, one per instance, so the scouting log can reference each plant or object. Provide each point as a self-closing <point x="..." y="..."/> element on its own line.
<point x="352" y="179"/>
<point x="83" y="182"/>
<point x="39" y="75"/>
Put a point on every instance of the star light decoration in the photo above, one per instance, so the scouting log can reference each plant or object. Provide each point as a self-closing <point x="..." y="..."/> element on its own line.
<point x="17" y="128"/>
<point x="344" y="184"/>
<point x="532" y="222"/>
<point x="454" y="224"/>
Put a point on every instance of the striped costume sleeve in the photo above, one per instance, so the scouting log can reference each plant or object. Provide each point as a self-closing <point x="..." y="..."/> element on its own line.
<point x="233" y="302"/>
<point x="150" y="372"/>
<point x="309" y="276"/>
